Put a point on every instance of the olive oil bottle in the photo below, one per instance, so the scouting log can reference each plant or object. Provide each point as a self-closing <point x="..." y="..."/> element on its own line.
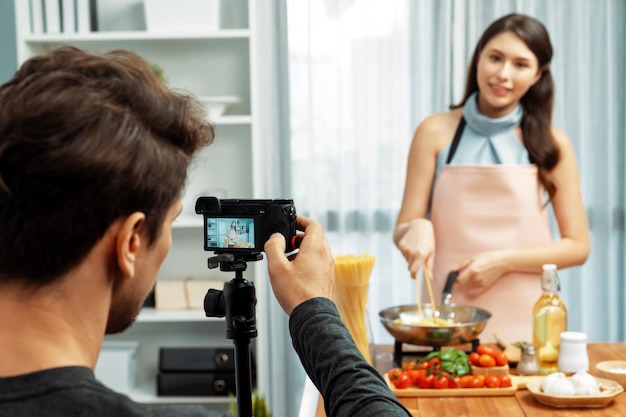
<point x="549" y="320"/>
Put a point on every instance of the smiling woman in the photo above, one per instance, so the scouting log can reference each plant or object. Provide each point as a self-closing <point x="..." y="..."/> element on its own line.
<point x="355" y="96"/>
<point x="476" y="193"/>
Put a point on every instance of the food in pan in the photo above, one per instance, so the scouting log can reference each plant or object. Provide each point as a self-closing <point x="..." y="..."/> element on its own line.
<point x="426" y="322"/>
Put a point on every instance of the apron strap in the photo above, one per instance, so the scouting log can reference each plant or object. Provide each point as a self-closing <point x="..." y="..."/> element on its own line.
<point x="456" y="140"/>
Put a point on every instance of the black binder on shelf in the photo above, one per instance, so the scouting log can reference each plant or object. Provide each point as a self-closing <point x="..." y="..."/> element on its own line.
<point x="196" y="359"/>
<point x="198" y="371"/>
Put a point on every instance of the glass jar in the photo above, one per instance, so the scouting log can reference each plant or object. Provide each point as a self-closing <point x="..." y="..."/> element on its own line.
<point x="528" y="364"/>
<point x="573" y="353"/>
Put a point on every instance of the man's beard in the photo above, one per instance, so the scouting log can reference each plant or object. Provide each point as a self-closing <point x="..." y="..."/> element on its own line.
<point x="122" y="315"/>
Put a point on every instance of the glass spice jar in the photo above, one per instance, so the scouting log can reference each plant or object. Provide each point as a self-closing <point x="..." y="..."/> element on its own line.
<point x="528" y="364"/>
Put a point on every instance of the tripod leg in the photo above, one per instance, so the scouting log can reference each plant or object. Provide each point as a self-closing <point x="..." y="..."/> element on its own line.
<point x="243" y="380"/>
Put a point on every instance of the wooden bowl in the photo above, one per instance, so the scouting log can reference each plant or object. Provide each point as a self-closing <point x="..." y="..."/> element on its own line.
<point x="613" y="370"/>
<point x="608" y="391"/>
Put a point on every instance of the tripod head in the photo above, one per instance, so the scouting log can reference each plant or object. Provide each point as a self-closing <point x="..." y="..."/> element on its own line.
<point x="236" y="302"/>
<point x="228" y="261"/>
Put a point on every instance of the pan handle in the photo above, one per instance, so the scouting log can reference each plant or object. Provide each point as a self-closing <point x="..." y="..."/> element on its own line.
<point x="447" y="289"/>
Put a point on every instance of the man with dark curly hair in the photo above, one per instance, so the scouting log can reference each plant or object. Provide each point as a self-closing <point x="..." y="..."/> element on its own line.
<point x="94" y="152"/>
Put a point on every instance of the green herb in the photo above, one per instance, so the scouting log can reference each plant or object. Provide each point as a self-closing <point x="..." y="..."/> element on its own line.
<point x="259" y="406"/>
<point x="158" y="71"/>
<point x="454" y="361"/>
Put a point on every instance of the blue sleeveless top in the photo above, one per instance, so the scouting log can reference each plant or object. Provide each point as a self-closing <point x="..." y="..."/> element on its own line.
<point x="486" y="141"/>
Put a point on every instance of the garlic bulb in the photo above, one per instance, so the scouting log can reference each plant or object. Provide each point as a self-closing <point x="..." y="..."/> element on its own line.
<point x="555" y="376"/>
<point x="585" y="384"/>
<point x="561" y="387"/>
<point x="579" y="384"/>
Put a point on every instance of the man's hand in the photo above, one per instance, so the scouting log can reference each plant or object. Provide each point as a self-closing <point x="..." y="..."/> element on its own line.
<point x="310" y="274"/>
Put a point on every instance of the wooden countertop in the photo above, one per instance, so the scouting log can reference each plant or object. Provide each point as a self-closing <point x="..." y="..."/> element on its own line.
<point x="522" y="404"/>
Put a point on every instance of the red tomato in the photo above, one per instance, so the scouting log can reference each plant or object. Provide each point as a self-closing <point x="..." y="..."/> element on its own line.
<point x="415" y="375"/>
<point x="473" y="358"/>
<point x="454" y="382"/>
<point x="394" y="373"/>
<point x="486" y="361"/>
<point x="409" y="365"/>
<point x="403" y="381"/>
<point x="501" y="359"/>
<point x="426" y="381"/>
<point x="476" y="382"/>
<point x="442" y="382"/>
<point x="492" y="381"/>
<point x="485" y="350"/>
<point x="434" y="363"/>
<point x="505" y="381"/>
<point x="466" y="380"/>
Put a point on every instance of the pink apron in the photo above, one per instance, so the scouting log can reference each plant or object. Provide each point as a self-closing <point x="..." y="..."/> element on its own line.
<point x="478" y="208"/>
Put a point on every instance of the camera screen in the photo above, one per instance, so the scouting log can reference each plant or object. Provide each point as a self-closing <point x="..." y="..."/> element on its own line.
<point x="229" y="233"/>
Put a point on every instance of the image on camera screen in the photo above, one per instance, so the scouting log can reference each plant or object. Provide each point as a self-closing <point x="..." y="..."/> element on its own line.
<point x="232" y="232"/>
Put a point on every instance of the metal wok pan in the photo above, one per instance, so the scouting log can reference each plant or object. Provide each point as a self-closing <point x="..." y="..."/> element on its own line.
<point x="471" y="321"/>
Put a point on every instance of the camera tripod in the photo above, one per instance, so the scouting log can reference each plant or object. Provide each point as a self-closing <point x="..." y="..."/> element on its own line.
<point x="237" y="303"/>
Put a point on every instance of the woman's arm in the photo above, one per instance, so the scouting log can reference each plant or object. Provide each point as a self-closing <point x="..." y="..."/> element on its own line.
<point x="414" y="234"/>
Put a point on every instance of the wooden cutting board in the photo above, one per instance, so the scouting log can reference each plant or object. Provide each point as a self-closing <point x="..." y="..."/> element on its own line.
<point x="518" y="382"/>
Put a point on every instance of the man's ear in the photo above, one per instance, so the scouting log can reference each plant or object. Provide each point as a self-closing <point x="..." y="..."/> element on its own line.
<point x="128" y="243"/>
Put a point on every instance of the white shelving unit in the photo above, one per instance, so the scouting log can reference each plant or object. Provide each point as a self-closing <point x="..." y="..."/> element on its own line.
<point x="211" y="63"/>
<point x="150" y="315"/>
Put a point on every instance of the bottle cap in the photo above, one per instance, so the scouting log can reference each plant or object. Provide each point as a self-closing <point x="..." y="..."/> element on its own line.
<point x="549" y="267"/>
<point x="573" y="337"/>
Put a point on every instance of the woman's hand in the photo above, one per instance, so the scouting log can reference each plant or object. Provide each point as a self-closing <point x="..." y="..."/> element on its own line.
<point x="482" y="271"/>
<point x="416" y="241"/>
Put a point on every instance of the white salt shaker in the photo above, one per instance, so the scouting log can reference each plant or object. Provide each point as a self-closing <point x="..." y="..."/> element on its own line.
<point x="573" y="355"/>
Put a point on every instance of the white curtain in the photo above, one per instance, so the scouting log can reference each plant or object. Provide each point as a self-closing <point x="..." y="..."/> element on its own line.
<point x="589" y="68"/>
<point x="363" y="73"/>
<point x="350" y="112"/>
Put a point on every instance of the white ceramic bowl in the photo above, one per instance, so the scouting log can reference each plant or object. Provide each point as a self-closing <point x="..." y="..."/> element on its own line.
<point x="614" y="370"/>
<point x="217" y="105"/>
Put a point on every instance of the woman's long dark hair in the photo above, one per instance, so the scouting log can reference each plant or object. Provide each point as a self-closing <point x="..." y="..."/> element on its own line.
<point x="537" y="102"/>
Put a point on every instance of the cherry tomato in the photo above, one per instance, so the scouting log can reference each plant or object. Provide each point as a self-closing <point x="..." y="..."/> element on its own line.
<point x="485" y="350"/>
<point x="442" y="382"/>
<point x="409" y="365"/>
<point x="394" y="373"/>
<point x="473" y="358"/>
<point x="435" y="363"/>
<point x="501" y="359"/>
<point x="426" y="381"/>
<point x="505" y="381"/>
<point x="492" y="381"/>
<point x="466" y="380"/>
<point x="476" y="382"/>
<point x="486" y="361"/>
<point x="454" y="382"/>
<point x="403" y="381"/>
<point x="415" y="375"/>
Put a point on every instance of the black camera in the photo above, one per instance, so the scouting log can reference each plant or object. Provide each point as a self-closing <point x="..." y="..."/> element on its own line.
<point x="241" y="226"/>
